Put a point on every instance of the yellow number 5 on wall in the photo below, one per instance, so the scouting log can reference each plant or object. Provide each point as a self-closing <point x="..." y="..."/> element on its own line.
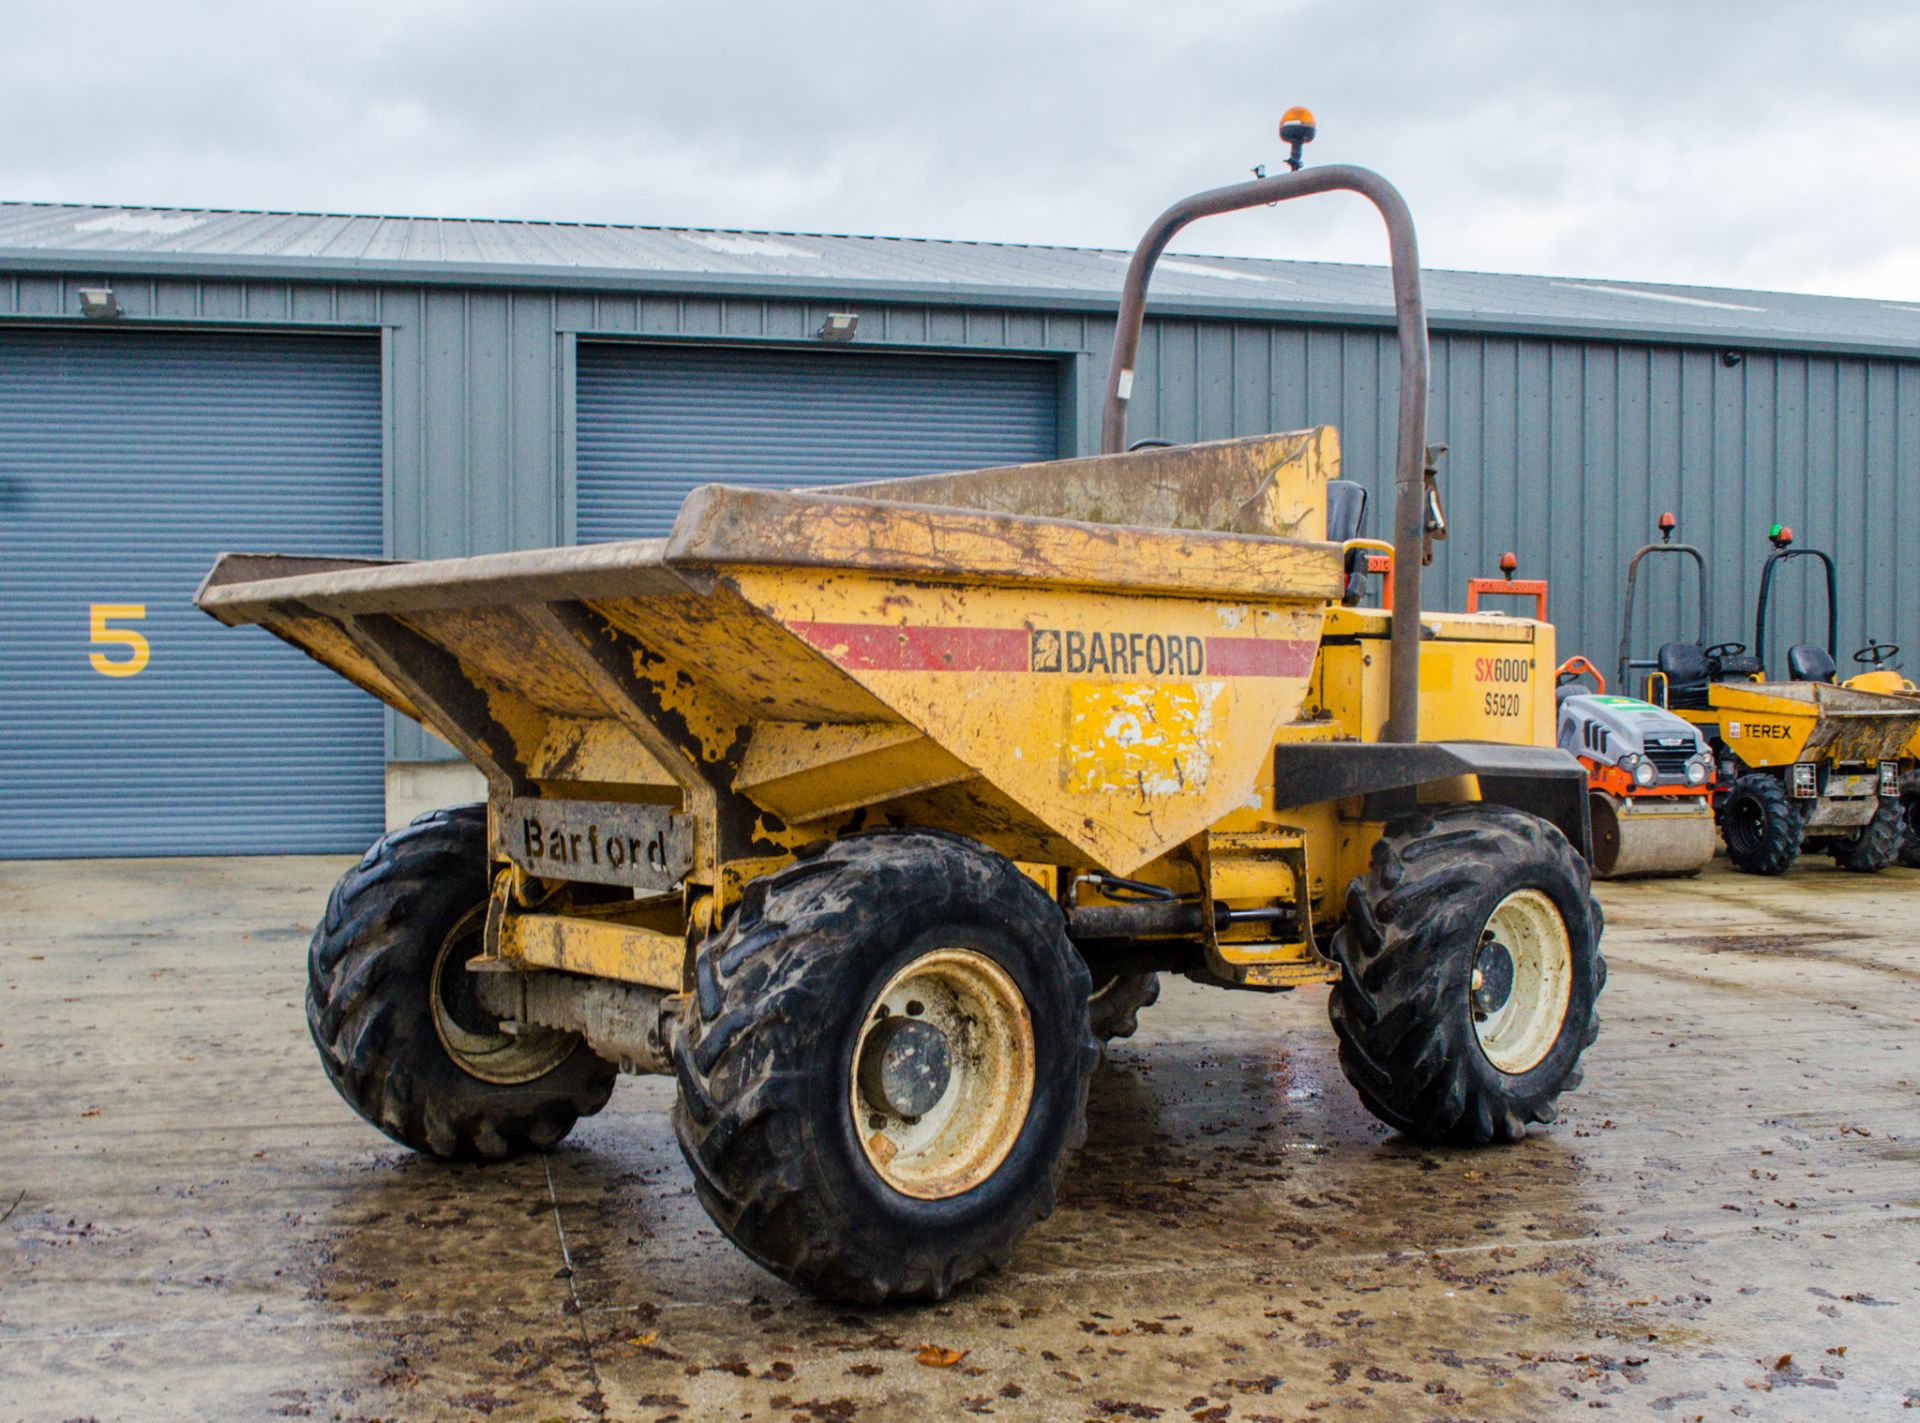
<point x="105" y="635"/>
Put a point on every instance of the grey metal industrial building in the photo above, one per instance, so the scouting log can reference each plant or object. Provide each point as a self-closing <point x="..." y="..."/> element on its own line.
<point x="426" y="387"/>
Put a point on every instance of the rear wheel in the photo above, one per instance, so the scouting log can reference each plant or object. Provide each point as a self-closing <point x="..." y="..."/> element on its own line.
<point x="400" y="1030"/>
<point x="1115" y="1007"/>
<point x="1760" y="825"/>
<point x="1910" y="820"/>
<point x="1877" y="844"/>
<point x="1470" y="966"/>
<point x="884" y="1067"/>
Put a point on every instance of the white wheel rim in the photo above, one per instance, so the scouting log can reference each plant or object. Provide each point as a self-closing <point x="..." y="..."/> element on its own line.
<point x="1517" y="1034"/>
<point x="961" y="1139"/>
<point x="504" y="1059"/>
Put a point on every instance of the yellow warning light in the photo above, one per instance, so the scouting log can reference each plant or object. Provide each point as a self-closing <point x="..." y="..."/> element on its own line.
<point x="1297" y="125"/>
<point x="1297" y="128"/>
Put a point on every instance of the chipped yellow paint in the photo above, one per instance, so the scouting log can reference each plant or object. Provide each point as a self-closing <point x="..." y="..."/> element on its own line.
<point x="807" y="772"/>
<point x="598" y="948"/>
<point x="1144" y="738"/>
<point x="577" y="750"/>
<point x="1009" y="723"/>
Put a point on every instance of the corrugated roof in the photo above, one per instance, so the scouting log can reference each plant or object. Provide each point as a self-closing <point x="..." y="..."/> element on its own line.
<point x="110" y="240"/>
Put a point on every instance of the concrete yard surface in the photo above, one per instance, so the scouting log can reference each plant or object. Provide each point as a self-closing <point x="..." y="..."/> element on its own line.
<point x="1725" y="1223"/>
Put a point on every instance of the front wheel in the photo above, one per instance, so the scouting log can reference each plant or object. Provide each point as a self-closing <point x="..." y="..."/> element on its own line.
<point x="1470" y="968"/>
<point x="884" y="1067"/>
<point x="1760" y="825"/>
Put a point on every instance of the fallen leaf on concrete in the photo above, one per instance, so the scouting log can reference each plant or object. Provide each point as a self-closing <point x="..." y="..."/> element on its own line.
<point x="935" y="1357"/>
<point x="1783" y="1363"/>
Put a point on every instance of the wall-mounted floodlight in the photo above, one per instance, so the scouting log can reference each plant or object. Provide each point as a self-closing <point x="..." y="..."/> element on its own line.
<point x="99" y="303"/>
<point x="839" y="326"/>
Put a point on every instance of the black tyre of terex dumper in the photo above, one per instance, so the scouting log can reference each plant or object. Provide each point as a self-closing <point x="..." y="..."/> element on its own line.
<point x="1418" y="950"/>
<point x="390" y="1006"/>
<point x="787" y="993"/>
<point x="1760" y="825"/>
<point x="1910" y="820"/>
<point x="1877" y="843"/>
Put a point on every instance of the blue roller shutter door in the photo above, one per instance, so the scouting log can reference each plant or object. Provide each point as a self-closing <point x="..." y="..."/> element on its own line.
<point x="127" y="461"/>
<point x="657" y="421"/>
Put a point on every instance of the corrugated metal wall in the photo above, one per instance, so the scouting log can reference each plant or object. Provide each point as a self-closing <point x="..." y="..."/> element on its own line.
<point x="1567" y="451"/>
<point x="656" y="422"/>
<point x="1564" y="450"/>
<point x="128" y="461"/>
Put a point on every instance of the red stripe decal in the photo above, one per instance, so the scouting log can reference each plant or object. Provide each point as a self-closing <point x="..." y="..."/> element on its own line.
<point x="1258" y="657"/>
<point x="880" y="647"/>
<point x="888" y="647"/>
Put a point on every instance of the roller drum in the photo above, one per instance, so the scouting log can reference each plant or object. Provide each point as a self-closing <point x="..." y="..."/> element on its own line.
<point x="1652" y="836"/>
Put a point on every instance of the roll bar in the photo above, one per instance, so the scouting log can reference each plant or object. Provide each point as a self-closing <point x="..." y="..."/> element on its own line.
<point x="1626" y="615"/>
<point x="1410" y="459"/>
<point x="1781" y="555"/>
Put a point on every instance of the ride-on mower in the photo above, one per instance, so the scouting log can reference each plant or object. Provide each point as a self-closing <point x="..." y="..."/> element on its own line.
<point x="1797" y="760"/>
<point x="844" y="807"/>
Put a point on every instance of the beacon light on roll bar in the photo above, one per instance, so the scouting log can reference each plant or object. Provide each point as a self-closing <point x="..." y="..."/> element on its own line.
<point x="1411" y="503"/>
<point x="1297" y="128"/>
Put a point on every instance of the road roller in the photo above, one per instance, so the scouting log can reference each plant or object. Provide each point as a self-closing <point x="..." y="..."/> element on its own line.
<point x="1649" y="778"/>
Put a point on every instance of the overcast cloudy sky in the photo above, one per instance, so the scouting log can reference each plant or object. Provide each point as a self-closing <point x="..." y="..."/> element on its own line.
<point x="1759" y="143"/>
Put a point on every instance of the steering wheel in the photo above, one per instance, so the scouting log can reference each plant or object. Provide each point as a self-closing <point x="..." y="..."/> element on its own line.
<point x="1726" y="649"/>
<point x="1876" y="652"/>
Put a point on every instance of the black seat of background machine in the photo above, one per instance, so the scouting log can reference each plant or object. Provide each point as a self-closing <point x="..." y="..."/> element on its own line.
<point x="1685" y="667"/>
<point x="1809" y="662"/>
<point x="1347" y="519"/>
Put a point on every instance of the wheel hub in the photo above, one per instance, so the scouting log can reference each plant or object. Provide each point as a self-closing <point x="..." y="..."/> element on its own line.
<point x="906" y="1066"/>
<point x="475" y="1039"/>
<point x="1492" y="977"/>
<point x="1522" y="981"/>
<point x="942" y="1073"/>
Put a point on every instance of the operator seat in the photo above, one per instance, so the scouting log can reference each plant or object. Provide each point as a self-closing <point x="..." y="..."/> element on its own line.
<point x="1809" y="662"/>
<point x="1685" y="666"/>
<point x="1347" y="519"/>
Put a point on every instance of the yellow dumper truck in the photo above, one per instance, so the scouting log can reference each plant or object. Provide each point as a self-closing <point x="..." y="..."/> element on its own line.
<point x="865" y="814"/>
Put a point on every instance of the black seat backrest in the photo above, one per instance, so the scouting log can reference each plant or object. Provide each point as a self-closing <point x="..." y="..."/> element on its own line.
<point x="1346" y="510"/>
<point x="1685" y="663"/>
<point x="1685" y="666"/>
<point x="1809" y="662"/>
<point x="1347" y="519"/>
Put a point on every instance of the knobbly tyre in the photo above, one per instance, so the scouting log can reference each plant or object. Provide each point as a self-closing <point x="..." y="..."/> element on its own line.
<point x="867" y="813"/>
